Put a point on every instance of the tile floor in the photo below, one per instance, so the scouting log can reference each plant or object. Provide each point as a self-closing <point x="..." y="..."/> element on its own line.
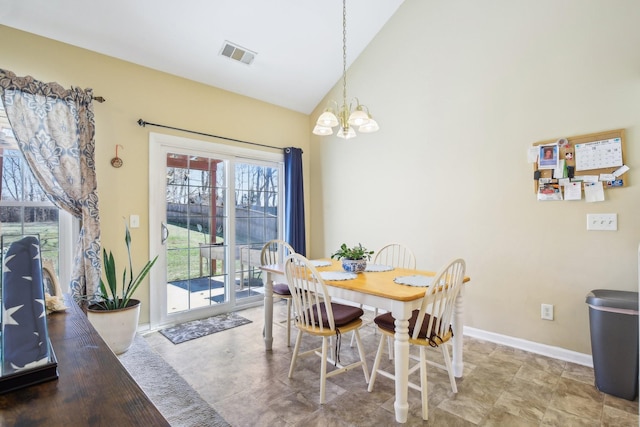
<point x="501" y="386"/>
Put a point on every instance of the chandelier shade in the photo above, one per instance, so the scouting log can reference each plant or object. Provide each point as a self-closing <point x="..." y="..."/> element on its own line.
<point x="344" y="116"/>
<point x="328" y="118"/>
<point x="322" y="130"/>
<point x="369" y="127"/>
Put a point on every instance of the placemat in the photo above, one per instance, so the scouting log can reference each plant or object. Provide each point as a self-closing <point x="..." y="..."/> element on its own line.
<point x="337" y="275"/>
<point x="416" y="280"/>
<point x="320" y="263"/>
<point x="378" y="267"/>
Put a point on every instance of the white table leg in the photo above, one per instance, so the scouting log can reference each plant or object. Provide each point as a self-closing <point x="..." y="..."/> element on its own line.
<point x="458" y="323"/>
<point x="401" y="360"/>
<point x="268" y="309"/>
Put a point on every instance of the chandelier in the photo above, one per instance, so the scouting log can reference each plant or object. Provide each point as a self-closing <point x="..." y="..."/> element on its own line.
<point x="344" y="116"/>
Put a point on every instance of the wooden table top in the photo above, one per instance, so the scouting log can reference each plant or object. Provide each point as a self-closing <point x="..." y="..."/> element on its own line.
<point x="379" y="283"/>
<point x="92" y="389"/>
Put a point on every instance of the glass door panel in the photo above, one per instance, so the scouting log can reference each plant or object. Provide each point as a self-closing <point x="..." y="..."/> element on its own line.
<point x="256" y="222"/>
<point x="196" y="248"/>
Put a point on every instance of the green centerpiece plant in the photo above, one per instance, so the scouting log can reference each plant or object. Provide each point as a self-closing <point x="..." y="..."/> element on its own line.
<point x="354" y="258"/>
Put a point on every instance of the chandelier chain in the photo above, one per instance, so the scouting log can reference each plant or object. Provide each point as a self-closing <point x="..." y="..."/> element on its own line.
<point x="344" y="52"/>
<point x="342" y="116"/>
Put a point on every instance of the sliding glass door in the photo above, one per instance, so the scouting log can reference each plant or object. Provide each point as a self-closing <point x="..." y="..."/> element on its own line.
<point x="221" y="205"/>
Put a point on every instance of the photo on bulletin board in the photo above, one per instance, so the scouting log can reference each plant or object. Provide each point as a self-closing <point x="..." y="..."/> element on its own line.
<point x="548" y="157"/>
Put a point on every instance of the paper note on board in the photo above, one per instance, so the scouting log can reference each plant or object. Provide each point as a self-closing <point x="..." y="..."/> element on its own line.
<point x="589" y="178"/>
<point x="573" y="191"/>
<point x="593" y="191"/>
<point x="621" y="170"/>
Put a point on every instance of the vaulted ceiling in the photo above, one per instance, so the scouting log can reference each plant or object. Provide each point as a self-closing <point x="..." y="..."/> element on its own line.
<point x="297" y="43"/>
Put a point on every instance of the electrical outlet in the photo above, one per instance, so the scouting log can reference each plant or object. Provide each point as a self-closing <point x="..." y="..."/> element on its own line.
<point x="546" y="311"/>
<point x="603" y="222"/>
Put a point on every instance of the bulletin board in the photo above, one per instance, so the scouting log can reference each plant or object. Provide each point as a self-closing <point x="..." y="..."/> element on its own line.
<point x="591" y="154"/>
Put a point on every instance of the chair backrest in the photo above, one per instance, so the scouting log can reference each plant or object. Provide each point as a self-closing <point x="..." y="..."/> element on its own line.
<point x="395" y="255"/>
<point x="308" y="291"/>
<point x="439" y="300"/>
<point x="275" y="252"/>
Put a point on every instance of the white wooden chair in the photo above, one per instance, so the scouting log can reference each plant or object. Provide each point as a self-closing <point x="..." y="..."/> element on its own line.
<point x="275" y="252"/>
<point x="316" y="315"/>
<point x="429" y="327"/>
<point x="395" y="255"/>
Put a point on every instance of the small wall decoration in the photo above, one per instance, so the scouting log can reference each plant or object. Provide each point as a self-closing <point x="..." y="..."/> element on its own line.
<point x="116" y="162"/>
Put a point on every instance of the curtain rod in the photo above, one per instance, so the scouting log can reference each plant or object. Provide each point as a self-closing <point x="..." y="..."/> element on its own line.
<point x="144" y="123"/>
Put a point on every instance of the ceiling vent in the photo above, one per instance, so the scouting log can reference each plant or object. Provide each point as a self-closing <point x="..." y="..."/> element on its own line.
<point x="237" y="53"/>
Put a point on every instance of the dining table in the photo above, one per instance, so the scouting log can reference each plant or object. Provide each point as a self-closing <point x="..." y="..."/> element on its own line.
<point x="375" y="287"/>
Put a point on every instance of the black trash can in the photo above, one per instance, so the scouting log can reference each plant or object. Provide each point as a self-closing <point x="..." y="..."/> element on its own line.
<point x="613" y="320"/>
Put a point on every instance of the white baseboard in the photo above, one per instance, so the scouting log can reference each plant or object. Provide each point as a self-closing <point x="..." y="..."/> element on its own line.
<point x="530" y="346"/>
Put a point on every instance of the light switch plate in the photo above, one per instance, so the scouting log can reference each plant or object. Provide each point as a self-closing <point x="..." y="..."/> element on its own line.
<point x="602" y="222"/>
<point x="134" y="221"/>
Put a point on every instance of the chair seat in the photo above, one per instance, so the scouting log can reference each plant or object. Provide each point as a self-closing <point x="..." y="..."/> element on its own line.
<point x="342" y="314"/>
<point x="281" y="289"/>
<point x="386" y="323"/>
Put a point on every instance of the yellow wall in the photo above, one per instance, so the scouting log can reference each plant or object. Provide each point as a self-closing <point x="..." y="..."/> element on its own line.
<point x="460" y="90"/>
<point x="135" y="92"/>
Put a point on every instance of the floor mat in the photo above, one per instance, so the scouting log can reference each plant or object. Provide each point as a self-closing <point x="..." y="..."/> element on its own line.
<point x="200" y="328"/>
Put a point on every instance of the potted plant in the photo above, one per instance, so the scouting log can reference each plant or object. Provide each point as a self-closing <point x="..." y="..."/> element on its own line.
<point x="114" y="314"/>
<point x="354" y="259"/>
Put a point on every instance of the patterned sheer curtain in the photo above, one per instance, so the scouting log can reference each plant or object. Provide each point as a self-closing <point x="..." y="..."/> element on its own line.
<point x="55" y="130"/>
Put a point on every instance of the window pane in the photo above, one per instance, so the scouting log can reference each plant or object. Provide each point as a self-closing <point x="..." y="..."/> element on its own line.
<point x="11" y="219"/>
<point x="11" y="176"/>
<point x="43" y="221"/>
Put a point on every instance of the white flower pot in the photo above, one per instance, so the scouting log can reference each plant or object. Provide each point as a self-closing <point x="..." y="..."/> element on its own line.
<point x="354" y="265"/>
<point x="116" y="327"/>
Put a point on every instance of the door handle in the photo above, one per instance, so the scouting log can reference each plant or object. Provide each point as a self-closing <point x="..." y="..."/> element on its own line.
<point x="164" y="233"/>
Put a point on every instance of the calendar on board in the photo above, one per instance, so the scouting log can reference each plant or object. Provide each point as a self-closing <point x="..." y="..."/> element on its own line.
<point x="599" y="154"/>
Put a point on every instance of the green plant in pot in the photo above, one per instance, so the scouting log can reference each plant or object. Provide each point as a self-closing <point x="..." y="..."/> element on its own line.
<point x="115" y="313"/>
<point x="354" y="259"/>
